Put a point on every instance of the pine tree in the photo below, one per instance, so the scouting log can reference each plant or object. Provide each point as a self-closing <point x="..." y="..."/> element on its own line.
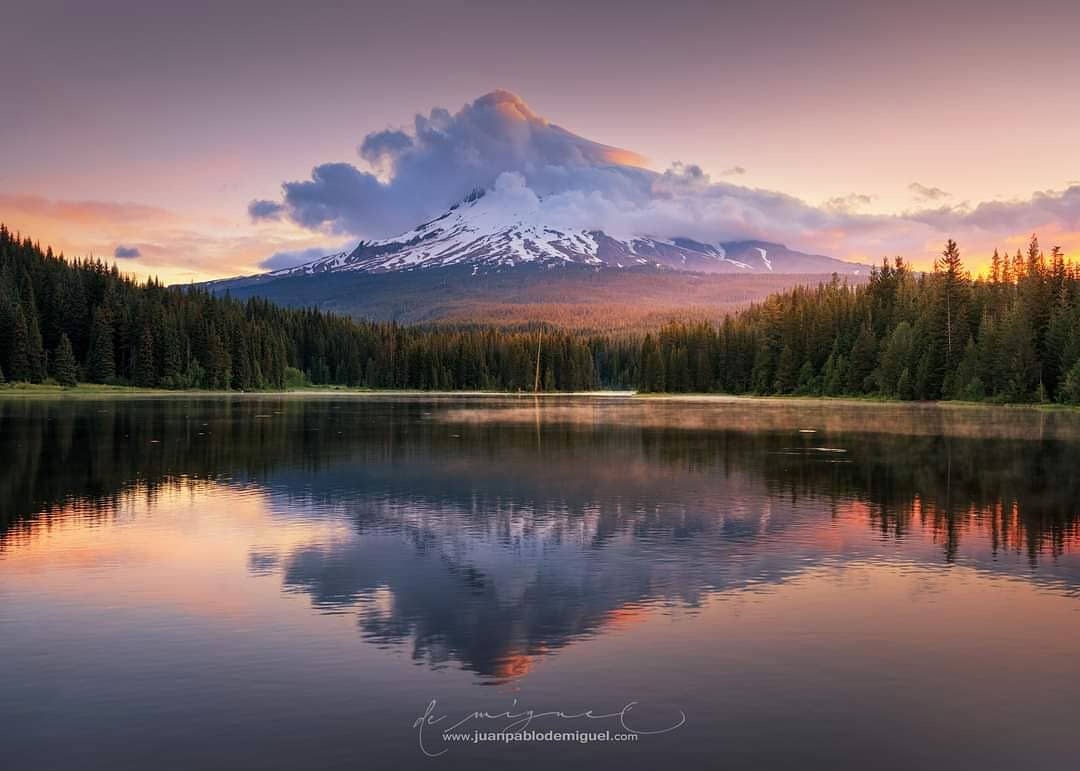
<point x="172" y="359"/>
<point x="652" y="363"/>
<point x="926" y="385"/>
<point x="1035" y="262"/>
<point x="1017" y="361"/>
<point x="787" y="372"/>
<point x="219" y="365"/>
<point x="1006" y="270"/>
<point x="895" y="358"/>
<point x="834" y="374"/>
<point x="954" y="296"/>
<point x="1070" y="389"/>
<point x="35" y="350"/>
<point x="1058" y="332"/>
<point x="243" y="371"/>
<point x="19" y="353"/>
<point x="809" y="383"/>
<point x="862" y="361"/>
<point x="101" y="358"/>
<point x="64" y="369"/>
<point x="965" y="382"/>
<point x="988" y="354"/>
<point x="678" y="371"/>
<point x="143" y="369"/>
<point x="761" y="376"/>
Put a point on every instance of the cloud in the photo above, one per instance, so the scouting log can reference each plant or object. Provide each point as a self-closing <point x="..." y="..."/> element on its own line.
<point x="924" y="193"/>
<point x="382" y="147"/>
<point x="849" y="203"/>
<point x="81" y="212"/>
<point x="415" y="174"/>
<point x="126" y="252"/>
<point x="1044" y="209"/>
<point x="409" y="175"/>
<point x="261" y="209"/>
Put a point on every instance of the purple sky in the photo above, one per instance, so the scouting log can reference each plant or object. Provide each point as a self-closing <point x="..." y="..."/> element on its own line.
<point x="151" y="126"/>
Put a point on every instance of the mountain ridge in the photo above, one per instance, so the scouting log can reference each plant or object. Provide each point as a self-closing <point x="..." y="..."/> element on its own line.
<point x="495" y="258"/>
<point x="494" y="230"/>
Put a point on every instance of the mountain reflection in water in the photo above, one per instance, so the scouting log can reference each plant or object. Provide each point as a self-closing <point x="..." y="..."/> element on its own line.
<point x="489" y="532"/>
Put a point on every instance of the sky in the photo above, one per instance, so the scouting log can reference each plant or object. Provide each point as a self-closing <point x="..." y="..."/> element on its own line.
<point x="201" y="139"/>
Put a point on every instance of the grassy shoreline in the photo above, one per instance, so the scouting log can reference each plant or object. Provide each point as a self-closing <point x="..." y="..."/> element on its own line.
<point x="91" y="390"/>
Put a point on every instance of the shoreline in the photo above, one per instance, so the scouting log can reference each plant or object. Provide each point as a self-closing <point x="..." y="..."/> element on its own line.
<point x="83" y="391"/>
<point x="92" y="391"/>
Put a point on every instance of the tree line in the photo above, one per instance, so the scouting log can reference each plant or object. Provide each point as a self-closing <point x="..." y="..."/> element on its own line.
<point x="1012" y="335"/>
<point x="83" y="321"/>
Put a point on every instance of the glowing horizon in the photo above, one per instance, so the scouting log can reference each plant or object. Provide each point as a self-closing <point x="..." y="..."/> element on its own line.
<point x="139" y="150"/>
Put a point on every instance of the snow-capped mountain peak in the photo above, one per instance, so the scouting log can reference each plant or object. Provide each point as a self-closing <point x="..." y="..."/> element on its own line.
<point x="506" y="228"/>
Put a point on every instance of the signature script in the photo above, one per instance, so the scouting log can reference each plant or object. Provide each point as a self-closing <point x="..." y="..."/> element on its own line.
<point x="521" y="719"/>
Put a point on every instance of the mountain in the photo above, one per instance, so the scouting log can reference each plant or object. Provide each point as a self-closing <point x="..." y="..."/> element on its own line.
<point x="493" y="259"/>
<point x="489" y="232"/>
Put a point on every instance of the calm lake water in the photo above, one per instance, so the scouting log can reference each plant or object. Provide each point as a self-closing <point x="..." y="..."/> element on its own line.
<point x="288" y="583"/>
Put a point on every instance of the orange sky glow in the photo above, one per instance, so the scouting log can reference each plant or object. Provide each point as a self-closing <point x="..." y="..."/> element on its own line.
<point x="139" y="143"/>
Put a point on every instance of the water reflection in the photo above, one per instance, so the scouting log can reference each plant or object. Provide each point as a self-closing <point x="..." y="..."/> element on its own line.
<point x="490" y="534"/>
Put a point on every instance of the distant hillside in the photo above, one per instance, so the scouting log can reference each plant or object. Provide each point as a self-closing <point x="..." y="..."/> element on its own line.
<point x="572" y="296"/>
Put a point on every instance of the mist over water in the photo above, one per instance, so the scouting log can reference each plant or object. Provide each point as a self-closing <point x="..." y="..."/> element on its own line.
<point x="285" y="582"/>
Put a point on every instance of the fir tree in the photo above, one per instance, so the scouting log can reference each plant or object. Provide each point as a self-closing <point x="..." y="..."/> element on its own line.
<point x="219" y="364"/>
<point x="1058" y="332"/>
<point x="652" y="376"/>
<point x="143" y="369"/>
<point x="965" y="382"/>
<point x="64" y="369"/>
<point x="1017" y="360"/>
<point x="101" y="358"/>
<point x="835" y="373"/>
<point x="762" y="376"/>
<point x="19" y="367"/>
<point x="1070" y="389"/>
<point x="787" y="373"/>
<point x="35" y="351"/>
<point x="809" y="383"/>
<point x="954" y="296"/>
<point x="894" y="359"/>
<point x="862" y="362"/>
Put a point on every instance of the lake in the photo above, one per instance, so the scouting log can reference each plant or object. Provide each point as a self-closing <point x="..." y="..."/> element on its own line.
<point x="332" y="581"/>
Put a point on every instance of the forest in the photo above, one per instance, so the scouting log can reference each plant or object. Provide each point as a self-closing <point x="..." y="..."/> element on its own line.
<point x="83" y="321"/>
<point x="1012" y="335"/>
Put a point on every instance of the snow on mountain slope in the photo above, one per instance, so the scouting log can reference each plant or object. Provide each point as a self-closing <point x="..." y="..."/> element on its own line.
<point x="493" y="231"/>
